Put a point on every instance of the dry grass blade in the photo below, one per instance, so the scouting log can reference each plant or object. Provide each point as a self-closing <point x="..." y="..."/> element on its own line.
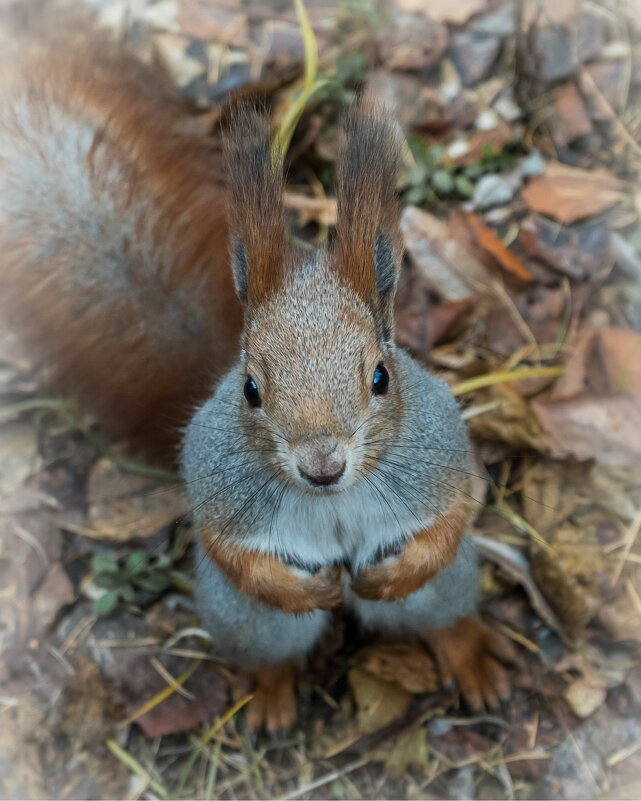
<point x="311" y="85"/>
<point x="135" y="767"/>
<point x="491" y="379"/>
<point x="163" y="694"/>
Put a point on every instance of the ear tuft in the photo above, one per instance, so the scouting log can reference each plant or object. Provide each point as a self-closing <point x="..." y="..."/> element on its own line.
<point x="368" y="241"/>
<point x="256" y="186"/>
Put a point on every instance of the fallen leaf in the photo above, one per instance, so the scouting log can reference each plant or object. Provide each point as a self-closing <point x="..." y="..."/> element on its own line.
<point x="19" y="458"/>
<point x="606" y="428"/>
<point x="443" y="262"/>
<point x="570" y="120"/>
<point x="619" y="353"/>
<point x="574" y="604"/>
<point x="514" y="564"/>
<point x="490" y="242"/>
<point x="404" y="664"/>
<point x="569" y="193"/>
<point x="585" y="696"/>
<point x="124" y="506"/>
<point x="378" y="702"/>
<point x="444" y="11"/>
<point x="410" y="751"/>
<point x="213" y="22"/>
<point x="412" y="42"/>
<point x="578" y="250"/>
<point x="621" y="618"/>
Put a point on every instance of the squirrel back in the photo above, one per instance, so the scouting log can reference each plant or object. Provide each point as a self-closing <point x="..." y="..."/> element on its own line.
<point x="113" y="234"/>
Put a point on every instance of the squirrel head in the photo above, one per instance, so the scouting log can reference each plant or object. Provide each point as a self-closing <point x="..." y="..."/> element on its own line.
<point x="320" y="390"/>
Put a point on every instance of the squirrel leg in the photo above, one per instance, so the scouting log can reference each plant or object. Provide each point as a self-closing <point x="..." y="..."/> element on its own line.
<point x="470" y="655"/>
<point x="273" y="705"/>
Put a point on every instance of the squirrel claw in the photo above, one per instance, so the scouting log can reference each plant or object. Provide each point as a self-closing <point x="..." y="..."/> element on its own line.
<point x="470" y="655"/>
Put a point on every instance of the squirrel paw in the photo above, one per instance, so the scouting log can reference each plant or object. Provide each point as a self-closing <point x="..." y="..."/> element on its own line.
<point x="300" y="594"/>
<point x="392" y="579"/>
<point x="273" y="706"/>
<point x="425" y="554"/>
<point x="469" y="654"/>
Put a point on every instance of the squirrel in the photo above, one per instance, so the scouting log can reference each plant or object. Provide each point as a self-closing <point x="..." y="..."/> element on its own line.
<point x="326" y="467"/>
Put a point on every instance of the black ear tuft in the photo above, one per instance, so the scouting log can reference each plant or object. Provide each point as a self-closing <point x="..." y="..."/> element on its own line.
<point x="384" y="264"/>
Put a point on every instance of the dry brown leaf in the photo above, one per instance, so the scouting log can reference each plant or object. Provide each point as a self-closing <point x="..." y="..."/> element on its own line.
<point x="515" y="566"/>
<point x="490" y="242"/>
<point x="621" y="618"/>
<point x="444" y="263"/>
<point x="444" y="10"/>
<point x="124" y="506"/>
<point x="410" y="751"/>
<point x="569" y="194"/>
<point x="619" y="352"/>
<point x="405" y="664"/>
<point x="602" y="427"/>
<point x="213" y="22"/>
<point x="585" y="696"/>
<point x="378" y="702"/>
<point x="573" y="603"/>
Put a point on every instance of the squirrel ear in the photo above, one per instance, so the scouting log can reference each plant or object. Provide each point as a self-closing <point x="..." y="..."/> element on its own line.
<point x="368" y="241"/>
<point x="255" y="186"/>
<point x="239" y="267"/>
<point x="385" y="266"/>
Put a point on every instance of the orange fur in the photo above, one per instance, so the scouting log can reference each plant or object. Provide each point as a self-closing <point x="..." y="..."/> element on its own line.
<point x="273" y="706"/>
<point x="426" y="554"/>
<point x="140" y="366"/>
<point x="266" y="579"/>
<point x="470" y="655"/>
<point x="366" y="196"/>
<point x="256" y="184"/>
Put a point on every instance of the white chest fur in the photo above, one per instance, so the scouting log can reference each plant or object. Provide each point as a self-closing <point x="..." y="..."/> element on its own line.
<point x="351" y="525"/>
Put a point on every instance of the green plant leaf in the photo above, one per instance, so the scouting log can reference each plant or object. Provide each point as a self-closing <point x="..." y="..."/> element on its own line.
<point x="110" y="581"/>
<point x="154" y="582"/>
<point x="137" y="562"/>
<point x="104" y="562"/>
<point x="464" y="186"/>
<point x="443" y="182"/>
<point x="105" y="604"/>
<point x="127" y="593"/>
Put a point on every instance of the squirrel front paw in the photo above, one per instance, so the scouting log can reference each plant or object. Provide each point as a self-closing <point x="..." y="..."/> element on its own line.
<point x="424" y="555"/>
<point x="265" y="578"/>
<point x="296" y="594"/>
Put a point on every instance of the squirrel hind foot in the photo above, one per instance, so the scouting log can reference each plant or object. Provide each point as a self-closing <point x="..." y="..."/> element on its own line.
<point x="272" y="708"/>
<point x="472" y="656"/>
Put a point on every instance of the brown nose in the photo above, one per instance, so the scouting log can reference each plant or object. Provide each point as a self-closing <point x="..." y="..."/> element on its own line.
<point x="323" y="479"/>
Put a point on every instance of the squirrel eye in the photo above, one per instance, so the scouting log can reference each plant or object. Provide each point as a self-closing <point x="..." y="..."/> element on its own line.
<point x="380" y="381"/>
<point x="250" y="390"/>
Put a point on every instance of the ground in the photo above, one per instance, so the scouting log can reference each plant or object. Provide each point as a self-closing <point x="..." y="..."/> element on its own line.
<point x="522" y="224"/>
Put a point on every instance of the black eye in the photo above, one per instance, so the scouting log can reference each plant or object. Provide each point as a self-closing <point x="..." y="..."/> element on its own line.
<point x="381" y="380"/>
<point x="251" y="392"/>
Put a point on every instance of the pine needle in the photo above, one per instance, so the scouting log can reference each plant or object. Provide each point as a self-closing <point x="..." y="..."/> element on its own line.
<point x="135" y="767"/>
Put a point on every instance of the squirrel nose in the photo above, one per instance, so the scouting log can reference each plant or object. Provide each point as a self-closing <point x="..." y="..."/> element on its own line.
<point x="323" y="479"/>
<point x="321" y="463"/>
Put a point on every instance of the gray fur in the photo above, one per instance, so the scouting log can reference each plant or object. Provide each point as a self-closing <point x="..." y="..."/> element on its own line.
<point x="452" y="594"/>
<point x="245" y="632"/>
<point x="231" y="485"/>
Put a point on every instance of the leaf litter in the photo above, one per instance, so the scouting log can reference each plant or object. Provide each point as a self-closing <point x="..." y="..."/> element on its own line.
<point x="523" y="241"/>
